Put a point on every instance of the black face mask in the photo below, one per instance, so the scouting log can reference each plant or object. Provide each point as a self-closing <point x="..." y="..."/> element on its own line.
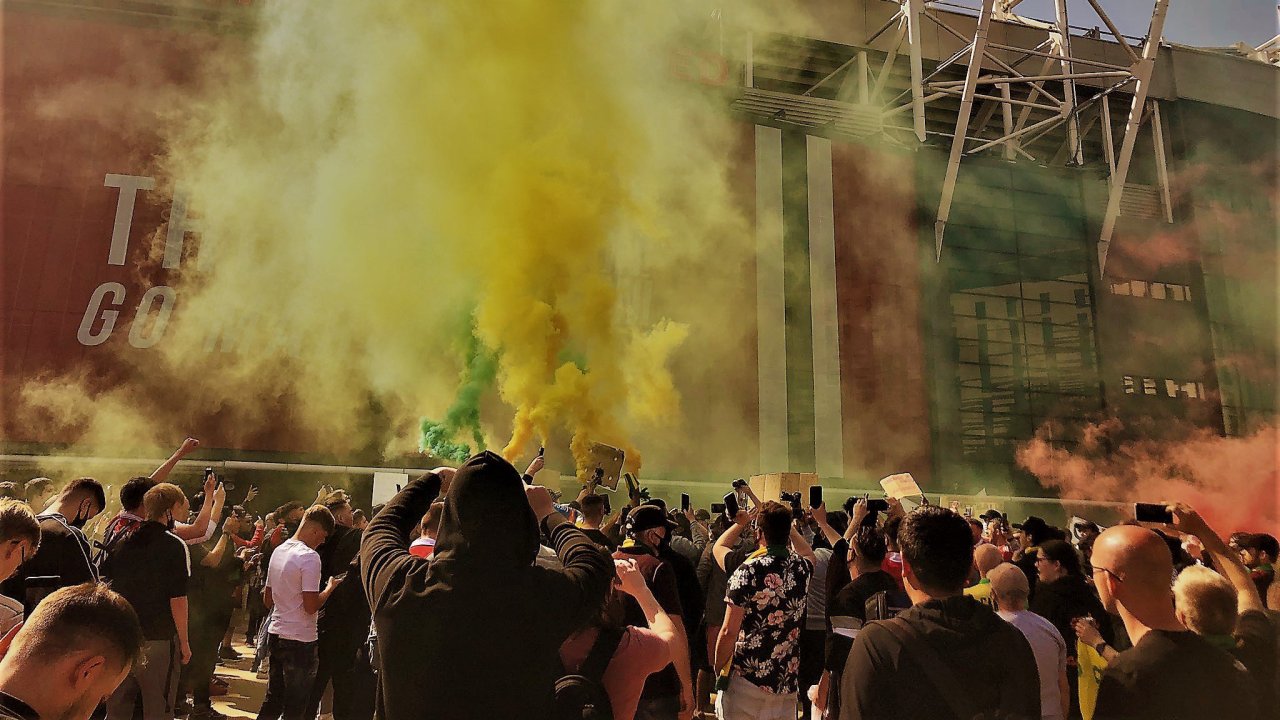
<point x="78" y="522"/>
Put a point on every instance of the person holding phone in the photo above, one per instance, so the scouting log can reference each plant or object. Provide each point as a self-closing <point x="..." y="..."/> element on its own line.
<point x="639" y="651"/>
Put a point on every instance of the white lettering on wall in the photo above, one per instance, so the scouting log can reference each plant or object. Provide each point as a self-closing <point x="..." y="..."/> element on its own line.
<point x="140" y="335"/>
<point x="85" y="334"/>
<point x="129" y="186"/>
<point x="179" y="226"/>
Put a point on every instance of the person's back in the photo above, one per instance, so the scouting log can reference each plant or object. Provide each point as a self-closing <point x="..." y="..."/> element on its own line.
<point x="475" y="633"/>
<point x="64" y="557"/>
<point x="1171" y="675"/>
<point x="1009" y="590"/>
<point x="947" y="651"/>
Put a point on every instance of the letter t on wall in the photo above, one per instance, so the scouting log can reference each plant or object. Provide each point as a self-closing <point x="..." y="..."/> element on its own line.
<point x="129" y="186"/>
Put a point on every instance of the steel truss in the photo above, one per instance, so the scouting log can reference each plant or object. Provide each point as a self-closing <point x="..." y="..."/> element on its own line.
<point x="996" y="97"/>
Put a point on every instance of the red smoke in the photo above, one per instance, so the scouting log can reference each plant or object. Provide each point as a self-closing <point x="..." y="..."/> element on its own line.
<point x="1232" y="481"/>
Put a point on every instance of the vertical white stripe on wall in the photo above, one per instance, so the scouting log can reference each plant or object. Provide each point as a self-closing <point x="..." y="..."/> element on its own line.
<point x="828" y="429"/>
<point x="770" y="302"/>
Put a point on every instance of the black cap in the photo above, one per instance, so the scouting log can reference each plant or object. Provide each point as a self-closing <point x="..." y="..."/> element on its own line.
<point x="647" y="517"/>
<point x="991" y="514"/>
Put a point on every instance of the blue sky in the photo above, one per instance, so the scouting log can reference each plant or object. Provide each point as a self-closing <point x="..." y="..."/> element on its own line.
<point x="1207" y="23"/>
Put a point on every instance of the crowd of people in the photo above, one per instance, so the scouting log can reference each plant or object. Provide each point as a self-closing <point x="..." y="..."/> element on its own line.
<point x="475" y="593"/>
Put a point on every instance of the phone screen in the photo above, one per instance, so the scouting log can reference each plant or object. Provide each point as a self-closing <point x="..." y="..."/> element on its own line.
<point x="1152" y="512"/>
<point x="815" y="495"/>
<point x="684" y="502"/>
<point x="731" y="505"/>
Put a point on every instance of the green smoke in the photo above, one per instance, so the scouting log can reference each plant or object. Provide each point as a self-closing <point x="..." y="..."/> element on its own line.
<point x="480" y="369"/>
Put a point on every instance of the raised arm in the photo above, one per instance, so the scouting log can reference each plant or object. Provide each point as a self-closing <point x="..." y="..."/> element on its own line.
<point x="161" y="473"/>
<point x="1187" y="520"/>
<point x="587" y="572"/>
<point x="209" y="516"/>
<point x="802" y="547"/>
<point x="729" y="538"/>
<point x="820" y="516"/>
<point x="384" y="549"/>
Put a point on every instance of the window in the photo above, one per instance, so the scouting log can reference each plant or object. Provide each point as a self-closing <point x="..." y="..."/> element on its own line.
<point x="1186" y="389"/>
<point x="1153" y="290"/>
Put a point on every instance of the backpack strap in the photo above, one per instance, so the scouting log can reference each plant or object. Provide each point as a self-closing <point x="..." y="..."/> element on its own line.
<point x="946" y="682"/>
<point x="602" y="650"/>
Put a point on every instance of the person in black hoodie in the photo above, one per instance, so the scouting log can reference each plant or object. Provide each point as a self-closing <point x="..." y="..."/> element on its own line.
<point x="476" y="632"/>
<point x="1063" y="595"/>
<point x="948" y="655"/>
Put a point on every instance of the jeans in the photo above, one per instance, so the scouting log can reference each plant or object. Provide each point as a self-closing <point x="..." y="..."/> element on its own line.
<point x="260" y="641"/>
<point x="154" y="681"/>
<point x="293" y="672"/>
<point x="744" y="701"/>
<point x="346" y="665"/>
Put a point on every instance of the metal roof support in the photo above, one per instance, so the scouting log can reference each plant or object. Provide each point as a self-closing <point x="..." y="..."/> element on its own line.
<point x="915" y="13"/>
<point x="1142" y="73"/>
<point x="1006" y="110"/>
<point x="1062" y="43"/>
<point x="1108" y="143"/>
<point x="977" y="52"/>
<point x="1162" y="163"/>
<point x="1106" y="20"/>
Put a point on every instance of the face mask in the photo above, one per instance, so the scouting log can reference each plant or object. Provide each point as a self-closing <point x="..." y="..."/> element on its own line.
<point x="171" y="523"/>
<point x="78" y="522"/>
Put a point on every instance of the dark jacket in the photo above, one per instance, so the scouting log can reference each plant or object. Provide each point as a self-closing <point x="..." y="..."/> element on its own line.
<point x="63" y="557"/>
<point x="1060" y="601"/>
<point x="475" y="632"/>
<point x="989" y="657"/>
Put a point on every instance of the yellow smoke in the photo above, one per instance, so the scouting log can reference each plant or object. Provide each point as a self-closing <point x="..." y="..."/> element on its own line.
<point x="363" y="173"/>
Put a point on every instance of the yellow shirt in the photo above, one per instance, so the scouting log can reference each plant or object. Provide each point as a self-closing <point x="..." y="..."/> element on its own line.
<point x="982" y="593"/>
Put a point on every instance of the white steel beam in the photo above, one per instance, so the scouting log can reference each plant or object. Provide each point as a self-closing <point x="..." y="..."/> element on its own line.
<point x="1006" y="108"/>
<point x="1142" y="73"/>
<point x="1063" y="45"/>
<point x="977" y="52"/>
<point x="915" y="16"/>
<point x="1162" y="163"/>
<point x="1108" y="143"/>
<point x="1106" y="20"/>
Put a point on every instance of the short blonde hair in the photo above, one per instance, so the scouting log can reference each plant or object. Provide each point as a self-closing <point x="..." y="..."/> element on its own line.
<point x="1206" y="600"/>
<point x="161" y="499"/>
<point x="18" y="522"/>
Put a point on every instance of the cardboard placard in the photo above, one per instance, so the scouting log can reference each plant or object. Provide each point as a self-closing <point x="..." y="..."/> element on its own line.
<point x="900" y="486"/>
<point x="386" y="485"/>
<point x="609" y="459"/>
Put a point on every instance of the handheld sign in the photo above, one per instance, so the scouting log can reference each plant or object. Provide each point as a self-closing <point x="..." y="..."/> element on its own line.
<point x="900" y="486"/>
<point x="609" y="459"/>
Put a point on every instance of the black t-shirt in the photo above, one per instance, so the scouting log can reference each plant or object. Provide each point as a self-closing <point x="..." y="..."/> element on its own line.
<point x="149" y="568"/>
<point x="63" y="555"/>
<point x="11" y="708"/>
<point x="1174" y="676"/>
<point x="661" y="579"/>
<point x="1255" y="648"/>
<point x="851" y="601"/>
<point x="599" y="537"/>
<point x="212" y="589"/>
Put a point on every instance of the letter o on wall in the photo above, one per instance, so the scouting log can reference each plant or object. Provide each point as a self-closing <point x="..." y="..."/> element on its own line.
<point x="94" y="310"/>
<point x="139" y="335"/>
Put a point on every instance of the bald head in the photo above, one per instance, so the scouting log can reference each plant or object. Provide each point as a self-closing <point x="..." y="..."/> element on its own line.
<point x="1010" y="587"/>
<point x="985" y="557"/>
<point x="1135" y="554"/>
<point x="1138" y="568"/>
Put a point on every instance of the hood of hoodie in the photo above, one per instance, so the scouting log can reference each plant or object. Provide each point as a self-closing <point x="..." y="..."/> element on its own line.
<point x="954" y="621"/>
<point x="487" y="524"/>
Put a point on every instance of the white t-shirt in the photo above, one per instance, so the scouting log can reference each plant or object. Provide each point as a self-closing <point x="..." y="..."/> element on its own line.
<point x="10" y="614"/>
<point x="295" y="569"/>
<point x="1051" y="657"/>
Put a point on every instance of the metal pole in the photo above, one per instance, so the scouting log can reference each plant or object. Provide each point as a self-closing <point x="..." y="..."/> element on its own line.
<point x="1063" y="44"/>
<point x="1162" y="167"/>
<point x="962" y="124"/>
<point x="1142" y="72"/>
<point x="1006" y="108"/>
<point x="915" y="13"/>
<point x="1108" y="143"/>
<point x="224" y="464"/>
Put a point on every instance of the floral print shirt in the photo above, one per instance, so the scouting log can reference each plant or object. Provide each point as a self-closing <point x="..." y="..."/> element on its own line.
<point x="772" y="590"/>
